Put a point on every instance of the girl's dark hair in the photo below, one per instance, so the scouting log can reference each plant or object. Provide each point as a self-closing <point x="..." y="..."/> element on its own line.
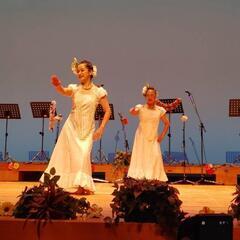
<point x="88" y="65"/>
<point x="150" y="88"/>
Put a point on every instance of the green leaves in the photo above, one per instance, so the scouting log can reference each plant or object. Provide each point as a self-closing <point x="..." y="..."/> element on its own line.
<point x="147" y="201"/>
<point x="47" y="201"/>
<point x="234" y="208"/>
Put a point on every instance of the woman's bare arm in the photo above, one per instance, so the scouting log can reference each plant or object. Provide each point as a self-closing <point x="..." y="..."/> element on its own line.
<point x="105" y="105"/>
<point x="59" y="88"/>
<point x="166" y="123"/>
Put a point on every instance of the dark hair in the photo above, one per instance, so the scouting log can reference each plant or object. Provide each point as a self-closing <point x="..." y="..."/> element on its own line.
<point x="88" y="65"/>
<point x="150" y="88"/>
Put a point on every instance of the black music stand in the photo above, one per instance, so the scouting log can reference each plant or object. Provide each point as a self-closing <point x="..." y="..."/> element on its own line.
<point x="234" y="111"/>
<point x="8" y="111"/>
<point x="179" y="109"/>
<point x="41" y="110"/>
<point x="99" y="114"/>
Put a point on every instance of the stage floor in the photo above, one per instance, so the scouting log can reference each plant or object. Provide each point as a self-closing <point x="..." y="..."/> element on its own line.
<point x="194" y="197"/>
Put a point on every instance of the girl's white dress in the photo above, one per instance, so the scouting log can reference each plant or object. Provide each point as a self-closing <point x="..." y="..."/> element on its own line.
<point x="146" y="160"/>
<point x="71" y="155"/>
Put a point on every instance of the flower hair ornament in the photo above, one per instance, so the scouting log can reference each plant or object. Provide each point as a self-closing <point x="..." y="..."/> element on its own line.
<point x="145" y="89"/>
<point x="74" y="67"/>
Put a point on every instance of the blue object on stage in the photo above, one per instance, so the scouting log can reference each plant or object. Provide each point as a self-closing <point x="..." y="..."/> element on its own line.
<point x="232" y="157"/>
<point x="111" y="157"/>
<point x="32" y="154"/>
<point x="175" y="156"/>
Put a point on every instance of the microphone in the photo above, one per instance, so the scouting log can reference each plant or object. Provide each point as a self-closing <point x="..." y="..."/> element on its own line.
<point x="189" y="94"/>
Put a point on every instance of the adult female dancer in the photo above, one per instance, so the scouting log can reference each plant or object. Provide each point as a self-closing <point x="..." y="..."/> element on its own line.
<point x="71" y="155"/>
<point x="146" y="160"/>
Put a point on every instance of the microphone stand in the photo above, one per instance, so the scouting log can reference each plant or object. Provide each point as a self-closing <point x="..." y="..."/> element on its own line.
<point x="124" y="133"/>
<point x="116" y="138"/>
<point x="203" y="179"/>
<point x="185" y="160"/>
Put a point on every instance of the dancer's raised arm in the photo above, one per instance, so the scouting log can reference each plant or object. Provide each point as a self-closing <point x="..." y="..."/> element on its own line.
<point x="59" y="88"/>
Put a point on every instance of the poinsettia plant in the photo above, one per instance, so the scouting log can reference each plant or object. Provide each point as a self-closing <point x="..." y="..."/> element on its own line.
<point x="234" y="208"/>
<point x="148" y="201"/>
<point x="48" y="201"/>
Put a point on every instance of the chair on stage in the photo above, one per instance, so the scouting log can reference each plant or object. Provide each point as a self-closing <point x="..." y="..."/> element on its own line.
<point x="233" y="157"/>
<point x="178" y="157"/>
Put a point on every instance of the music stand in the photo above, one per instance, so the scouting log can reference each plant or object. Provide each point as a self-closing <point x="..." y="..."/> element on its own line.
<point x="178" y="109"/>
<point x="234" y="111"/>
<point x="8" y="111"/>
<point x="99" y="114"/>
<point x="41" y="110"/>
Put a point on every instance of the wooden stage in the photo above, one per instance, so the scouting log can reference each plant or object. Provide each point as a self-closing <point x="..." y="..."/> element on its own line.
<point x="224" y="174"/>
<point x="194" y="198"/>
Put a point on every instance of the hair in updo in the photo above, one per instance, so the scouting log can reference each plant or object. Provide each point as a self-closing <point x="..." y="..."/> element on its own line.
<point x="88" y="65"/>
<point x="147" y="88"/>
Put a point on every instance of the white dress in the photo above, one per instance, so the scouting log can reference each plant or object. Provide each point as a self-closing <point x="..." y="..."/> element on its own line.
<point x="146" y="160"/>
<point x="71" y="155"/>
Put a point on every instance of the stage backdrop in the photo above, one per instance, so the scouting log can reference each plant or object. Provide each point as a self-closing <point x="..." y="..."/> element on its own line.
<point x="173" y="45"/>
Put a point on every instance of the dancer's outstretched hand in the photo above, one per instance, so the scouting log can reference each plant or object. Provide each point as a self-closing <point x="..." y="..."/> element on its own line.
<point x="55" y="81"/>
<point x="98" y="134"/>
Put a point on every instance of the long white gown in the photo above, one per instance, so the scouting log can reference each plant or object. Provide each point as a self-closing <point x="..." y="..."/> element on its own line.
<point x="71" y="155"/>
<point x="146" y="160"/>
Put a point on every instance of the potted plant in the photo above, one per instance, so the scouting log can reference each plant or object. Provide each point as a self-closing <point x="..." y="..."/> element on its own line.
<point x="48" y="201"/>
<point x="234" y="208"/>
<point x="148" y="201"/>
<point x="121" y="163"/>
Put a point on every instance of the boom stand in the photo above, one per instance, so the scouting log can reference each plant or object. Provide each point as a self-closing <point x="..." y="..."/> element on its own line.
<point x="203" y="179"/>
<point x="41" y="110"/>
<point x="179" y="109"/>
<point x="8" y="111"/>
<point x="126" y="145"/>
<point x="99" y="114"/>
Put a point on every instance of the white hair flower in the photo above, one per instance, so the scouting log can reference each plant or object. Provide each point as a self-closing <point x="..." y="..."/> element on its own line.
<point x="94" y="71"/>
<point x="74" y="66"/>
<point x="144" y="90"/>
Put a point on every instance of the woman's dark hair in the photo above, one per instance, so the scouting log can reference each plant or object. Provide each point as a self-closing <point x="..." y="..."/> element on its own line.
<point x="88" y="65"/>
<point x="150" y="88"/>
